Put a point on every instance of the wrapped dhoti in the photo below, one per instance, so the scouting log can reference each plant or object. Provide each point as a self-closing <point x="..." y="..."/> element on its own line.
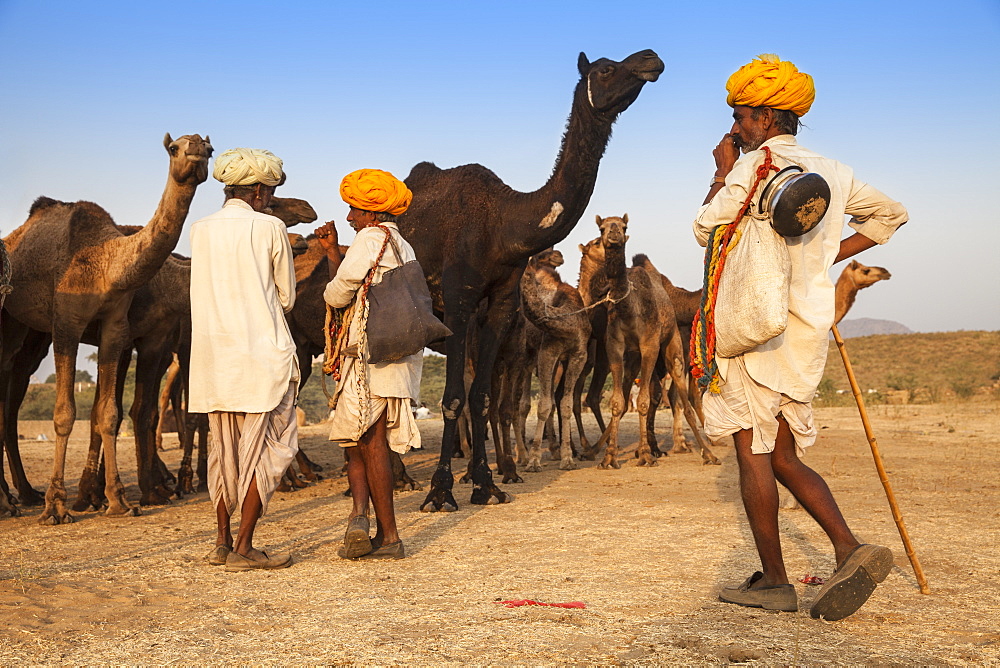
<point x="354" y="415"/>
<point x="244" y="444"/>
<point x="743" y="403"/>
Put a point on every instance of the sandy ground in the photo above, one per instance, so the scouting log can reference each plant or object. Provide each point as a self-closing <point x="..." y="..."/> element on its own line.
<point x="645" y="549"/>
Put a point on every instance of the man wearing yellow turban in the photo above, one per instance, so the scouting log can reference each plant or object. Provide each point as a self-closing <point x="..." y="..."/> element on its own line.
<point x="765" y="398"/>
<point x="372" y="415"/>
<point x="244" y="371"/>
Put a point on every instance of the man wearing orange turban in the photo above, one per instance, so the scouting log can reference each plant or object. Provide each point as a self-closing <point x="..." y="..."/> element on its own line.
<point x="372" y="415"/>
<point x="375" y="190"/>
<point x="765" y="398"/>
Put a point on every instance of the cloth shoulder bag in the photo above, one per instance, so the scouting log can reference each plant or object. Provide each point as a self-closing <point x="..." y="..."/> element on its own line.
<point x="752" y="305"/>
<point x="401" y="318"/>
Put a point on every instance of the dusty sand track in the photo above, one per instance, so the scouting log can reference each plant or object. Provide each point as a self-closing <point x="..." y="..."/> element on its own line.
<point x="645" y="549"/>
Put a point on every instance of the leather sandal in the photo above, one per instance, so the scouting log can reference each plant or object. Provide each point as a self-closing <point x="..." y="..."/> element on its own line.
<point x="771" y="597"/>
<point x="388" y="551"/>
<point x="356" y="540"/>
<point x="852" y="583"/>
<point x="236" y="562"/>
<point x="218" y="555"/>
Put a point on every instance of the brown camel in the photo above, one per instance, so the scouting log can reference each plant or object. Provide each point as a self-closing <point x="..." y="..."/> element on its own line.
<point x="855" y="276"/>
<point x="473" y="235"/>
<point x="686" y="304"/>
<point x="640" y="319"/>
<point x="75" y="268"/>
<point x="559" y="313"/>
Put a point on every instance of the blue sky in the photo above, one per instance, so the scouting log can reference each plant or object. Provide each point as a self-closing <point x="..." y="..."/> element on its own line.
<point x="907" y="94"/>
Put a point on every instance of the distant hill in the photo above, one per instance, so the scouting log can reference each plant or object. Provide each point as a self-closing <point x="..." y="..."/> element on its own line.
<point x="871" y="326"/>
<point x="932" y="366"/>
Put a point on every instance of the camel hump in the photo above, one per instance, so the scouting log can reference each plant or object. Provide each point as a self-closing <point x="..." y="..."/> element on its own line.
<point x="422" y="170"/>
<point x="87" y="215"/>
<point x="129" y="230"/>
<point x="642" y="260"/>
<point x="41" y="203"/>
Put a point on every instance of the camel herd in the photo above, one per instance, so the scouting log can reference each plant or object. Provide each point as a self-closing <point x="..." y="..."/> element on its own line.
<point x="487" y="252"/>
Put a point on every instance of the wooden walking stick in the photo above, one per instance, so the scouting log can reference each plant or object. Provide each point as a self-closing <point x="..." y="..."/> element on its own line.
<point x="896" y="515"/>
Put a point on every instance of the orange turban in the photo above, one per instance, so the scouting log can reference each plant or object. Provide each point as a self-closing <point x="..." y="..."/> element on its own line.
<point x="375" y="190"/>
<point x="768" y="81"/>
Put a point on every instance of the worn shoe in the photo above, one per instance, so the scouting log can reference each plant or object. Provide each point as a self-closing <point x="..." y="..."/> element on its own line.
<point x="237" y="562"/>
<point x="390" y="551"/>
<point x="218" y="555"/>
<point x="852" y="583"/>
<point x="772" y="597"/>
<point x="356" y="540"/>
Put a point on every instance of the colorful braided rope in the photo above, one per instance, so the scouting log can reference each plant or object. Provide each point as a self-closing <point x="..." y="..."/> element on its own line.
<point x="721" y="242"/>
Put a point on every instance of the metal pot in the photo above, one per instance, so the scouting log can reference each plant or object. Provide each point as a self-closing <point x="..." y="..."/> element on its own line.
<point x="795" y="201"/>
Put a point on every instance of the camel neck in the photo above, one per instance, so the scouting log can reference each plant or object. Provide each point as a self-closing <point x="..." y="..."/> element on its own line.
<point x="556" y="207"/>
<point x="149" y="247"/>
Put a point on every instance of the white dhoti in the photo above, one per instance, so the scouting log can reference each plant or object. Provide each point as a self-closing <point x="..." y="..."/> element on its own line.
<point x="348" y="423"/>
<point x="744" y="403"/>
<point x="244" y="444"/>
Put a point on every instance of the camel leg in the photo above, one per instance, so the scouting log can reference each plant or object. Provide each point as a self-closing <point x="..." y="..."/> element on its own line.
<point x="573" y="369"/>
<point x="114" y="340"/>
<point x="680" y="443"/>
<point x="34" y="349"/>
<point x="546" y="369"/>
<point x="149" y="365"/>
<point x="402" y="480"/>
<point x="498" y="319"/>
<point x="578" y="398"/>
<point x="597" y="380"/>
<point x="616" y="350"/>
<point x="523" y="408"/>
<point x="501" y="433"/>
<point x="650" y="352"/>
<point x="677" y="374"/>
<point x="440" y="496"/>
<point x="65" y="347"/>
<point x="185" y="472"/>
<point x="655" y="399"/>
<point x="163" y="403"/>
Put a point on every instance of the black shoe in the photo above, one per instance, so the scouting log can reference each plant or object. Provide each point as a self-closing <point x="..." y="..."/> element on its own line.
<point x="852" y="583"/>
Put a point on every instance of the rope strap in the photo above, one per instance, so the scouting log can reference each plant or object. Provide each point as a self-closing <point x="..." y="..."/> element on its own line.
<point x="721" y="242"/>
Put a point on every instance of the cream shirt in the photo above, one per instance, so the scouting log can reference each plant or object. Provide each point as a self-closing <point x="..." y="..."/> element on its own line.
<point x="242" y="284"/>
<point x="792" y="363"/>
<point x="386" y="379"/>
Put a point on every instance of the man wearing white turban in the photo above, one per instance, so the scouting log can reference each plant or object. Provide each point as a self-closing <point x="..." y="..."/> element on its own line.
<point x="244" y="372"/>
<point x="763" y="397"/>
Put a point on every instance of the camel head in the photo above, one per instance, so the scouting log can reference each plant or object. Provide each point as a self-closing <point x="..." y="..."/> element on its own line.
<point x="613" y="231"/>
<point x="292" y="211"/>
<point x="188" y="158"/>
<point x="550" y="257"/>
<point x="299" y="244"/>
<point x="864" y="276"/>
<point x="609" y="87"/>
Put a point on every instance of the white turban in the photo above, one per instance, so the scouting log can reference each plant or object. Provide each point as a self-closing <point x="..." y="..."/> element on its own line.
<point x="247" y="166"/>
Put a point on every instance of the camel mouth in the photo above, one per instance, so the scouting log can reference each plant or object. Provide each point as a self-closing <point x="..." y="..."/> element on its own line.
<point x="650" y="70"/>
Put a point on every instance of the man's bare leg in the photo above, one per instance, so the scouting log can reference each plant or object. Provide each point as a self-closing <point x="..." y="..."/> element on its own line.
<point x="357" y="478"/>
<point x="222" y="518"/>
<point x="811" y="491"/>
<point x="374" y="448"/>
<point x="760" y="500"/>
<point x="249" y="514"/>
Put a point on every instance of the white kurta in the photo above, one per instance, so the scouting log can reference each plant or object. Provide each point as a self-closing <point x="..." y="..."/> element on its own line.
<point x="792" y="363"/>
<point x="242" y="284"/>
<point x="390" y="385"/>
<point x="385" y="379"/>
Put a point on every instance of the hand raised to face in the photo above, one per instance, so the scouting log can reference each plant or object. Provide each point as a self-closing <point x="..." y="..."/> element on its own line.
<point x="328" y="237"/>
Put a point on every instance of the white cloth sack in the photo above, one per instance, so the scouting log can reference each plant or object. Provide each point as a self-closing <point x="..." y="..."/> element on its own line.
<point x="752" y="305"/>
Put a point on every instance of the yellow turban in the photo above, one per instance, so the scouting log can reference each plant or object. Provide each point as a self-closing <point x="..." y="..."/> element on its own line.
<point x="767" y="81"/>
<point x="247" y="166"/>
<point x="375" y="190"/>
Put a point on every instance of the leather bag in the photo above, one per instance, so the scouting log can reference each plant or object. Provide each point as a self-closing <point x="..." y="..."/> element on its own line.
<point x="401" y="318"/>
<point x="752" y="304"/>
